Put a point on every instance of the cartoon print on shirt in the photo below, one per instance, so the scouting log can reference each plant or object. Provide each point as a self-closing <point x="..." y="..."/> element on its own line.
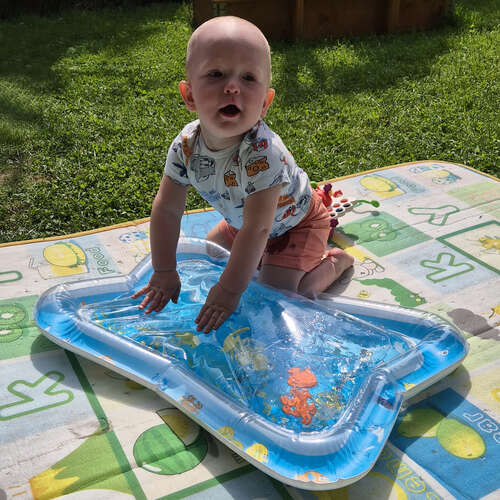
<point x="211" y="196"/>
<point x="252" y="135"/>
<point x="225" y="181"/>
<point x="290" y="211"/>
<point x="186" y="149"/>
<point x="182" y="169"/>
<point x="257" y="143"/>
<point x="203" y="167"/>
<point x="260" y="144"/>
<point x="303" y="202"/>
<point x="256" y="166"/>
<point x="285" y="199"/>
<point x="230" y="179"/>
<point x="236" y="162"/>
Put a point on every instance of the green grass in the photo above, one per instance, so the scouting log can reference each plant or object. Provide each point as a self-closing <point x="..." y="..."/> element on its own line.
<point x="89" y="105"/>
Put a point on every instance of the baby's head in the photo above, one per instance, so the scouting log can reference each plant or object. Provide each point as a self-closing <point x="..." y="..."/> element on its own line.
<point x="227" y="31"/>
<point x="228" y="68"/>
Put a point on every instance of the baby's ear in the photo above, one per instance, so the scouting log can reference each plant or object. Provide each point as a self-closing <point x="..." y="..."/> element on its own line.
<point x="267" y="102"/>
<point x="187" y="95"/>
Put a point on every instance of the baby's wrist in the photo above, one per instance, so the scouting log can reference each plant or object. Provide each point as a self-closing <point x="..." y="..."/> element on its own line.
<point x="165" y="270"/>
<point x="228" y="290"/>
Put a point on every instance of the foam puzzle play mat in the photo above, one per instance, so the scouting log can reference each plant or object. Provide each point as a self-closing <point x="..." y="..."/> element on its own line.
<point x="366" y="392"/>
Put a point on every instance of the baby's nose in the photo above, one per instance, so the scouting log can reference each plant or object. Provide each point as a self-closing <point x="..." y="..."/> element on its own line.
<point x="232" y="87"/>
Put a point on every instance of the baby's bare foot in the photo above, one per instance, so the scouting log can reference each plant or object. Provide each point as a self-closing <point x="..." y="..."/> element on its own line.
<point x="334" y="263"/>
<point x="340" y="260"/>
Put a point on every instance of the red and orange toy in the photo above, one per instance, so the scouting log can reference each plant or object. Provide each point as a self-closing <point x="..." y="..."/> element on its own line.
<point x="297" y="405"/>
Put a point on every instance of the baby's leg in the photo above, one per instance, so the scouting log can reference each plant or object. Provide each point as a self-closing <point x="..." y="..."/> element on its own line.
<point x="317" y="280"/>
<point x="218" y="235"/>
<point x="312" y="283"/>
<point x="223" y="235"/>
<point x="284" y="278"/>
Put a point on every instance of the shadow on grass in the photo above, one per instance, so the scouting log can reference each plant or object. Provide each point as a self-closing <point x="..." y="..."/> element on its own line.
<point x="331" y="67"/>
<point x="309" y="70"/>
<point x="31" y="46"/>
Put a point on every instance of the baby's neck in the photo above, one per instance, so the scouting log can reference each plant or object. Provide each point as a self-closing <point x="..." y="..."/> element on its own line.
<point x="219" y="143"/>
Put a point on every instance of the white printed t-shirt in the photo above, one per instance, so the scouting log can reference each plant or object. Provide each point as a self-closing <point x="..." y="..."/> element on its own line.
<point x="225" y="178"/>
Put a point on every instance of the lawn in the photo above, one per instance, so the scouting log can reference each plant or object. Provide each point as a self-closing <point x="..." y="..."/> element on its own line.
<point x="89" y="105"/>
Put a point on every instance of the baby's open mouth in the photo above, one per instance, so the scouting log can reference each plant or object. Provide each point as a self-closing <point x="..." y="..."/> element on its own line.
<point x="230" y="110"/>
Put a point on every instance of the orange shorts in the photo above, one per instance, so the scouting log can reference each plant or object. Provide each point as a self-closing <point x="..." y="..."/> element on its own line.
<point x="301" y="247"/>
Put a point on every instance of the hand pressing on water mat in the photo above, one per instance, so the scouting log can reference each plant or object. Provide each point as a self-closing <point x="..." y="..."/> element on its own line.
<point x="220" y="304"/>
<point x="163" y="287"/>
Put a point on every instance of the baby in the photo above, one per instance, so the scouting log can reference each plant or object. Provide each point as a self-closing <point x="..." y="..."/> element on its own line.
<point x="272" y="218"/>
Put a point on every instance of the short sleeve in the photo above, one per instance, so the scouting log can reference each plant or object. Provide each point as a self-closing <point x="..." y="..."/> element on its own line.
<point x="176" y="163"/>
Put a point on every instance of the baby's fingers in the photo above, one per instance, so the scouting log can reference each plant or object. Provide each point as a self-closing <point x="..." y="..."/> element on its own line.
<point x="140" y="292"/>
<point x="145" y="302"/>
<point x="162" y="302"/>
<point x="218" y="317"/>
<point x="201" y="319"/>
<point x="175" y="295"/>
<point x="210" y="319"/>
<point x="156" y="301"/>
<point x="204" y="318"/>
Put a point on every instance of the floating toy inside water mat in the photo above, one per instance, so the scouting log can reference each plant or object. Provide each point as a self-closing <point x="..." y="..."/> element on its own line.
<point x="307" y="391"/>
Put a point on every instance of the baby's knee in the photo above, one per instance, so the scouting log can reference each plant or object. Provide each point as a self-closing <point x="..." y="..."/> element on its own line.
<point x="312" y="284"/>
<point x="217" y="236"/>
<point x="307" y="289"/>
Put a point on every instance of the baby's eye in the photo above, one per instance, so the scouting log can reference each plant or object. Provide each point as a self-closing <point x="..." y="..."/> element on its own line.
<point x="215" y="74"/>
<point x="249" y="78"/>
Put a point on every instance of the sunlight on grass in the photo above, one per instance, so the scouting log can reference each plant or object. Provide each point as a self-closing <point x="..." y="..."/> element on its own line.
<point x="89" y="105"/>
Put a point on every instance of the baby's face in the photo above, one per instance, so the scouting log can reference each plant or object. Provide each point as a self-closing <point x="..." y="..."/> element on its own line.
<point x="228" y="82"/>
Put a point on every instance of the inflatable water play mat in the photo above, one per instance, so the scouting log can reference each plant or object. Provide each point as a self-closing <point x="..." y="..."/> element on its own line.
<point x="296" y="387"/>
<point x="76" y="427"/>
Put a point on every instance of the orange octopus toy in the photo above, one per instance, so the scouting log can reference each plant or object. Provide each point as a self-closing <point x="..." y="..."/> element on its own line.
<point x="297" y="405"/>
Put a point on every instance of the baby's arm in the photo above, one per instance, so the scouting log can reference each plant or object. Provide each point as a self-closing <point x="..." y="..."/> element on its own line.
<point x="166" y="214"/>
<point x="246" y="252"/>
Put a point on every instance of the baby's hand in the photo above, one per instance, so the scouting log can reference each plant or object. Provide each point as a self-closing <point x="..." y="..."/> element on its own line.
<point x="162" y="287"/>
<point x="220" y="304"/>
